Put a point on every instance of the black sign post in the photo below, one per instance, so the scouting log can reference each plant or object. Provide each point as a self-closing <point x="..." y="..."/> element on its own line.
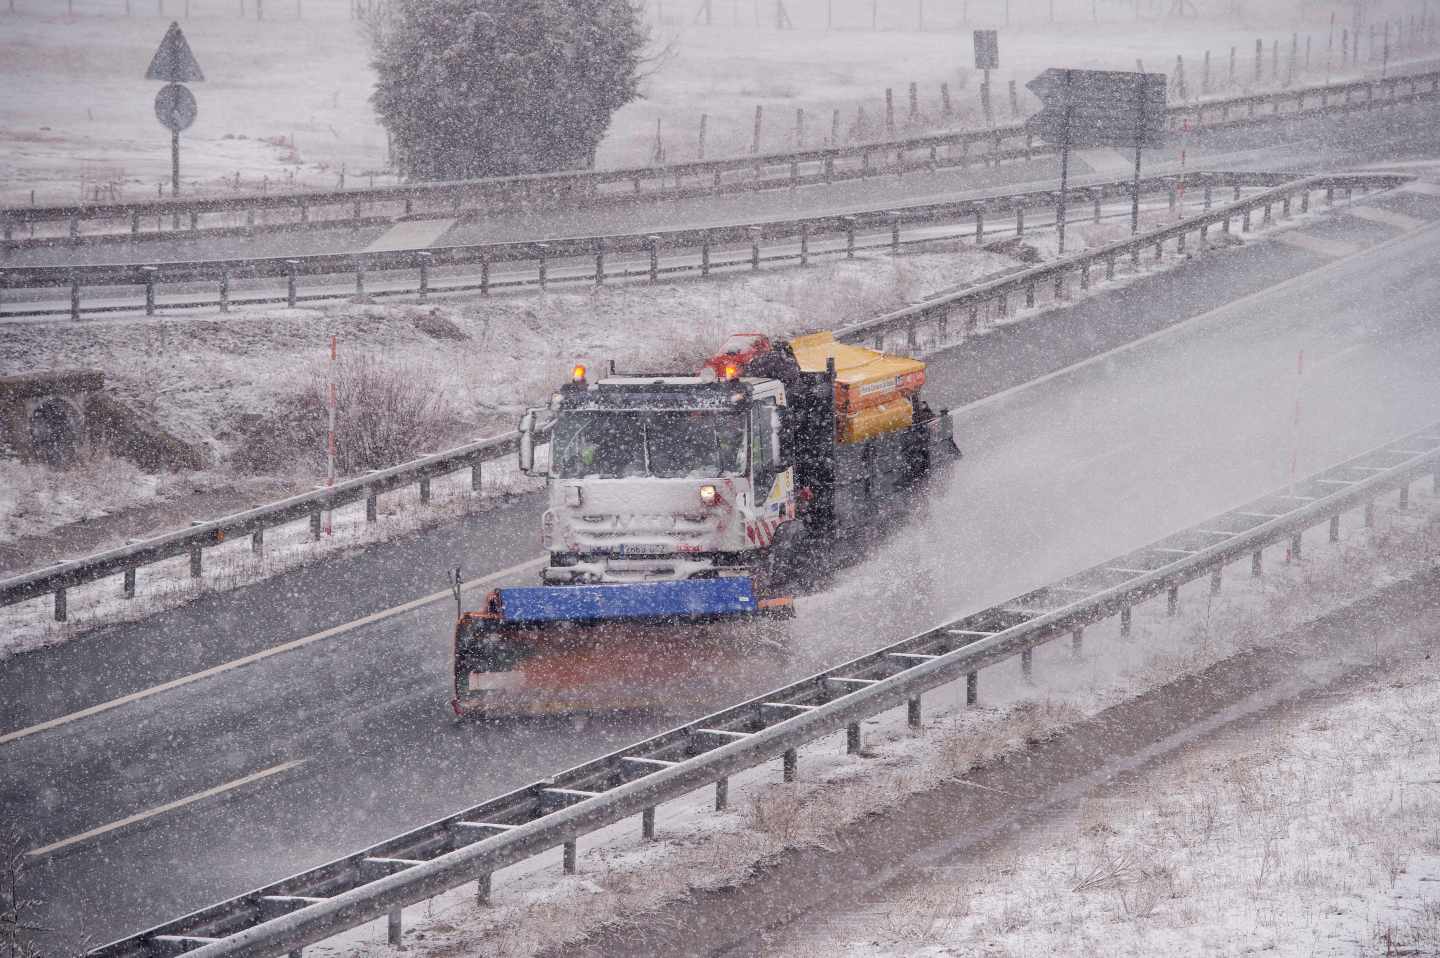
<point x="1098" y="108"/>
<point x="175" y="105"/>
<point x="987" y="58"/>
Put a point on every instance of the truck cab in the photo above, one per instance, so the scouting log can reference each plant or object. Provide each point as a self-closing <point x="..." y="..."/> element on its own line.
<point x="655" y="478"/>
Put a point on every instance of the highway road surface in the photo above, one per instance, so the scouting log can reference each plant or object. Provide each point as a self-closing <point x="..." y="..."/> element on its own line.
<point x="1086" y="432"/>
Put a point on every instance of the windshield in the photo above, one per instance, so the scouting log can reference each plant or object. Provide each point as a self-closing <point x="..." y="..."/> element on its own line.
<point x="668" y="445"/>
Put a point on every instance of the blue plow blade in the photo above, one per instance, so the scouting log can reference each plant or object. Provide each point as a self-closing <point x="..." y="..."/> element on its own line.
<point x="650" y="600"/>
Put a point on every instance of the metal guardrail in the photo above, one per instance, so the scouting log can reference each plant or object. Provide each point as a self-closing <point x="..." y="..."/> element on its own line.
<point x="703" y="177"/>
<point x="473" y="843"/>
<point x="938" y="312"/>
<point x="702" y="251"/>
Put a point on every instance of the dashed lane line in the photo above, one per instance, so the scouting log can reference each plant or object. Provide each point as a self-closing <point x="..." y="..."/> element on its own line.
<point x="138" y="817"/>
<point x="1386" y="217"/>
<point x="264" y="654"/>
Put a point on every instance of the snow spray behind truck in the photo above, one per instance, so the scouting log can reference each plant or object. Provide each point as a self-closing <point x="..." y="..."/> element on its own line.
<point x="678" y="507"/>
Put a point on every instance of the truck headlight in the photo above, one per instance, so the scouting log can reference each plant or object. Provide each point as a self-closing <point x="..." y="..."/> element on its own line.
<point x="708" y="494"/>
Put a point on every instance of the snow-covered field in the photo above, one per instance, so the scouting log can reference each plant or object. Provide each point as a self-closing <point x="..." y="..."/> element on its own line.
<point x="285" y="101"/>
<point x="1319" y="840"/>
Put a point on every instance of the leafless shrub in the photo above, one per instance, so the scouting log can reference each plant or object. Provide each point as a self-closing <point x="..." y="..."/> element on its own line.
<point x="1106" y="868"/>
<point x="385" y="413"/>
<point x="19" y="936"/>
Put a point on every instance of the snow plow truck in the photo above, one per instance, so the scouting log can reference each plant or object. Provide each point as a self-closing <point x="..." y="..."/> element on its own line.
<point x="678" y="507"/>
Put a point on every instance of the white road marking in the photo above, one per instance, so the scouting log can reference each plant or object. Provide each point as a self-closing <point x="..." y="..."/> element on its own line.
<point x="1386" y="217"/>
<point x="264" y="653"/>
<point x="162" y="809"/>
<point x="411" y="234"/>
<point x="1423" y="187"/>
<point x="1217" y="314"/>
<point x="1325" y="247"/>
<point x="1107" y="161"/>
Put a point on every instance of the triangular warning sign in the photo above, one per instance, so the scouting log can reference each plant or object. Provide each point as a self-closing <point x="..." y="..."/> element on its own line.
<point x="174" y="63"/>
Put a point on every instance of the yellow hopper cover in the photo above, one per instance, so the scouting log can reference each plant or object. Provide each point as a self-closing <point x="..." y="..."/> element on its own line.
<point x="864" y="378"/>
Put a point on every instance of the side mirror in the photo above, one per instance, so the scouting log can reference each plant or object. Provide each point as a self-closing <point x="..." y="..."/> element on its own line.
<point x="527" y="443"/>
<point x="779" y="453"/>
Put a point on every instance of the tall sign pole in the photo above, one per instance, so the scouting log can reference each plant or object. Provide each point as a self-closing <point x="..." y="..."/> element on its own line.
<point x="1098" y="108"/>
<point x="987" y="58"/>
<point x="175" y="105"/>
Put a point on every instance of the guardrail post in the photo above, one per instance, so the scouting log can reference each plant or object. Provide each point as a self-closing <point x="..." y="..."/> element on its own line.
<point x="1209" y="196"/>
<point x="1085" y="276"/>
<point x="1125" y="622"/>
<point x="1225" y="226"/>
<point x="542" y="251"/>
<point x="1329" y="196"/>
<point x="224" y="291"/>
<point x="647" y="824"/>
<point x="75" y="229"/>
<point x="1110" y="266"/>
<point x="1245" y="222"/>
<point x="1268" y="217"/>
<point x="1019" y="221"/>
<point x="849" y="236"/>
<point x="196" y="554"/>
<point x="359" y="277"/>
<point x="599" y="262"/>
<point x="372" y="507"/>
<point x="1285" y="208"/>
<point x="942" y="328"/>
<point x="973" y="323"/>
<point x="249" y="222"/>
<point x="722" y="794"/>
<point x="790" y="764"/>
<point x="912" y="712"/>
<point x="257" y="542"/>
<point x="127" y="588"/>
<point x="291" y="265"/>
<point x="804" y="245"/>
<point x="424" y="259"/>
<point x="1215" y="579"/>
<point x="194" y="220"/>
<point x="894" y="232"/>
<point x="394" y="927"/>
<point x="979" y="227"/>
<point x="1294" y="555"/>
<point x="1097" y="195"/>
<point x="829" y="169"/>
<point x="475" y="476"/>
<point x="567" y="856"/>
<point x="972" y="688"/>
<point x="1061" y="292"/>
<point x="484" y="276"/>
<point x="356" y="215"/>
<point x="1172" y="600"/>
<point x="1030" y="295"/>
<point x="1159" y="250"/>
<point x="654" y="243"/>
<point x="149" y="272"/>
<point x="61" y="605"/>
<point x="852" y="739"/>
<point x="1204" y="235"/>
<point x="1237" y="194"/>
<point x="754" y="246"/>
<point x="315" y="526"/>
<point x="425" y="491"/>
<point x="1334" y="528"/>
<point x="1256" y="564"/>
<point x="134" y="224"/>
<point x="1180" y="243"/>
<point x="1305" y="201"/>
<point x="1027" y="665"/>
<point x="482" y="889"/>
<point x="1077" y="642"/>
<point x="1174" y="197"/>
<point x="705" y="254"/>
<point x="304" y="212"/>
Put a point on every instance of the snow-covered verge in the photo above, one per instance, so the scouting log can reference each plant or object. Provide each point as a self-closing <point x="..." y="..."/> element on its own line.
<point x="285" y="101"/>
<point x="1322" y="835"/>
<point x="217" y="380"/>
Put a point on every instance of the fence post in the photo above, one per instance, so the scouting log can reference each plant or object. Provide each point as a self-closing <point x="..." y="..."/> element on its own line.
<point x="600" y="261"/>
<point x="791" y="764"/>
<point x="150" y="272"/>
<point x="754" y="246"/>
<point x="972" y="688"/>
<point x="705" y="254"/>
<point x="424" y="259"/>
<point x="849" y="236"/>
<point x="912" y="715"/>
<point x="291" y="265"/>
<point x="359" y="277"/>
<point x="804" y="247"/>
<point x="894" y="232"/>
<point x="394" y="927"/>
